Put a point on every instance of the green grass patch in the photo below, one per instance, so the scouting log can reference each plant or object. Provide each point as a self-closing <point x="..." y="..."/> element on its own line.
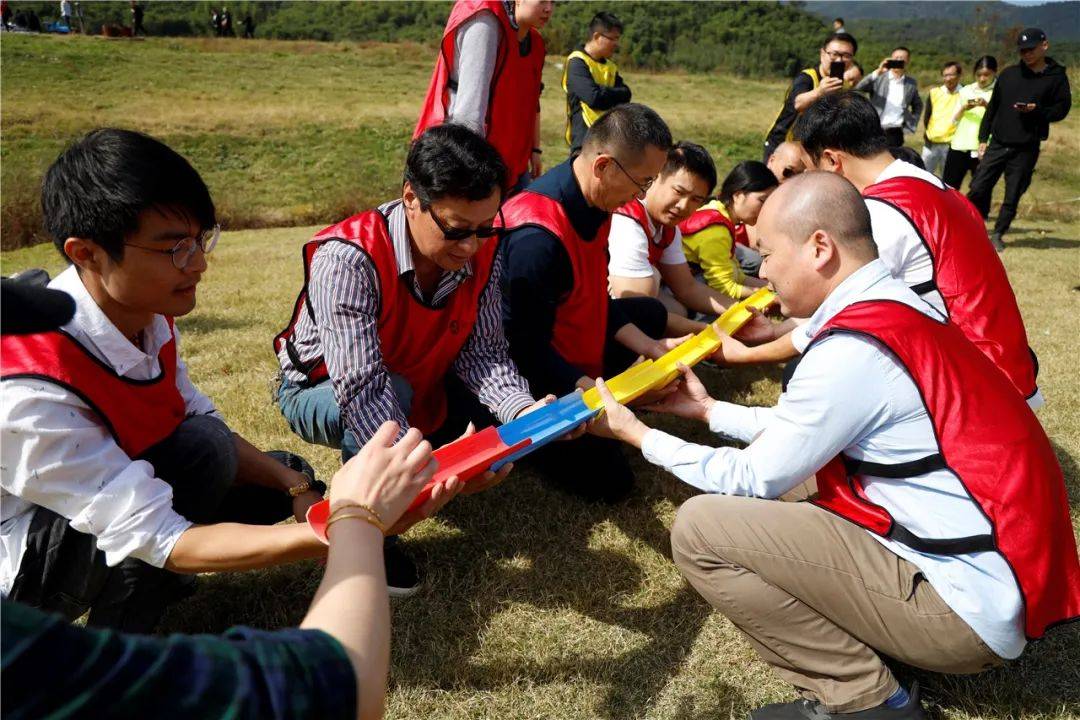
<point x="536" y="605"/>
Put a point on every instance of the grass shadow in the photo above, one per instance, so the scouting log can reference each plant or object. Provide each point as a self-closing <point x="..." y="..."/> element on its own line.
<point x="205" y="323"/>
<point x="1042" y="243"/>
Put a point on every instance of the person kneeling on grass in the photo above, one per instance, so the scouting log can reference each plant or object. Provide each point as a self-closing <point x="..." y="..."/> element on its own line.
<point x="333" y="666"/>
<point x="399" y="317"/>
<point x="116" y="473"/>
<point x="940" y="534"/>
<point x="715" y="238"/>
<point x="645" y="244"/>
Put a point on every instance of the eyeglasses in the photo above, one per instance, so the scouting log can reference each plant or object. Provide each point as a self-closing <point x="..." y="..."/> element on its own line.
<point x="615" y="39"/>
<point x="454" y="234"/>
<point x="184" y="250"/>
<point x="644" y="187"/>
<point x="833" y="55"/>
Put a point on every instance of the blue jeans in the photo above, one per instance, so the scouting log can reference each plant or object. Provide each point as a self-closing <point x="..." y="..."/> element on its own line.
<point x="314" y="415"/>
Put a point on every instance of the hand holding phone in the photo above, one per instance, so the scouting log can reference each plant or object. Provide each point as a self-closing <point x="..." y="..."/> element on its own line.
<point x="836" y="69"/>
<point x="891" y="64"/>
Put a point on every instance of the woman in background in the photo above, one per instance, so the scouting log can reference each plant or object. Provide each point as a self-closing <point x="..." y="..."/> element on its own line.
<point x="963" y="156"/>
<point x="710" y="235"/>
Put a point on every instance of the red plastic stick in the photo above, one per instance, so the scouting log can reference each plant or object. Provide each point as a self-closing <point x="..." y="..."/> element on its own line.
<point x="467" y="458"/>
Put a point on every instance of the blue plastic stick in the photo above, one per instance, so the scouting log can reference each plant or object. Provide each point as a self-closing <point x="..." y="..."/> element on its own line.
<point x="544" y="425"/>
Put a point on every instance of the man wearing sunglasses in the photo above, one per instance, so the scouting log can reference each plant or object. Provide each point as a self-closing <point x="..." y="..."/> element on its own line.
<point x="399" y="316"/>
<point x="563" y="328"/>
<point x="115" y="469"/>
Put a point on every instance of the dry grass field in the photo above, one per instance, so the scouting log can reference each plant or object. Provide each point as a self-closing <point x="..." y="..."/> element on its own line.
<point x="536" y="605"/>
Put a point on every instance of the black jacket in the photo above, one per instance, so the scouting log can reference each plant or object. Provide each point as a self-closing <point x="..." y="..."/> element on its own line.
<point x="1050" y="92"/>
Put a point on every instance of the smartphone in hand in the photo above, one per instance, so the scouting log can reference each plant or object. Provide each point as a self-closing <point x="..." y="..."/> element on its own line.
<point x="894" y="64"/>
<point x="836" y="69"/>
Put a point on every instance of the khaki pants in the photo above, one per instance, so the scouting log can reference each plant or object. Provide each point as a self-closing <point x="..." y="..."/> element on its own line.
<point x="818" y="597"/>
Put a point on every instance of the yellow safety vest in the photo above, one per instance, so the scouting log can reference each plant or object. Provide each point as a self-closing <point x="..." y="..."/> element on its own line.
<point x="603" y="74"/>
<point x="943" y="106"/>
<point x="813" y="73"/>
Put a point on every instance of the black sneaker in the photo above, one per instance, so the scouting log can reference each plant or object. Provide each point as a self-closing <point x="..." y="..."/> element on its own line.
<point x="813" y="710"/>
<point x="997" y="242"/>
<point x="402" y="575"/>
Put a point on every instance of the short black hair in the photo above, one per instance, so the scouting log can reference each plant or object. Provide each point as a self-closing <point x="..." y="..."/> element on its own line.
<point x="605" y="22"/>
<point x="953" y="63"/>
<point x="451" y="160"/>
<point x="901" y="47"/>
<point x="843" y="121"/>
<point x="986" y="62"/>
<point x="842" y="37"/>
<point x="747" y="176"/>
<point x="97" y="188"/>
<point x="908" y="155"/>
<point x="838" y="20"/>
<point x="694" y="159"/>
<point x="626" y="130"/>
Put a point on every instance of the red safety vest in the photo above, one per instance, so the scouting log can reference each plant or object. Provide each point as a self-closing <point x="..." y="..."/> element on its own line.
<point x="417" y="342"/>
<point x="581" y="319"/>
<point x="967" y="273"/>
<point x="138" y="413"/>
<point x="989" y="439"/>
<point x="707" y="218"/>
<point x="515" y="87"/>
<point x="635" y="210"/>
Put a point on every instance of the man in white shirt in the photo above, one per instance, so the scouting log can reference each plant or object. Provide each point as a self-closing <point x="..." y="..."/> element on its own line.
<point x="645" y="244"/>
<point x="927" y="235"/>
<point x="821" y="592"/>
<point x="116" y="473"/>
<point x="895" y="96"/>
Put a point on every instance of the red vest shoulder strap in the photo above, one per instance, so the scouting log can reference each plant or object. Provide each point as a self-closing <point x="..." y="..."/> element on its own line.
<point x="139" y="414"/>
<point x="703" y="219"/>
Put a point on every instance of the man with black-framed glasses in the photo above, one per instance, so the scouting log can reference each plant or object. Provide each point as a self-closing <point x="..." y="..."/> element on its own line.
<point x="399" y="316"/>
<point x="563" y="328"/>
<point x="837" y="57"/>
<point x="117" y="475"/>
<point x="591" y="79"/>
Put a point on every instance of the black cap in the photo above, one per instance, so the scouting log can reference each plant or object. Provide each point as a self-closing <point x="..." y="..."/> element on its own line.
<point x="1030" y="38"/>
<point x="27" y="309"/>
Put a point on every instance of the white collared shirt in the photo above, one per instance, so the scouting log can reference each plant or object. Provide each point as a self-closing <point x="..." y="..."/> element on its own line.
<point x="58" y="454"/>
<point x="892" y="116"/>
<point x="851" y="395"/>
<point x="902" y="251"/>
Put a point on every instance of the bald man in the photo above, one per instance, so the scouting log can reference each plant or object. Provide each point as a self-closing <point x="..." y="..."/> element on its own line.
<point x="786" y="161"/>
<point x="940" y="533"/>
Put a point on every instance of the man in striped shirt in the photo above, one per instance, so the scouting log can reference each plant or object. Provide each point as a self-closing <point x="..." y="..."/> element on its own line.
<point x="400" y="318"/>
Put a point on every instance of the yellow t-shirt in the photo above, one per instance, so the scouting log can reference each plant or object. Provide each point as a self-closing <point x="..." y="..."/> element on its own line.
<point x="711" y="250"/>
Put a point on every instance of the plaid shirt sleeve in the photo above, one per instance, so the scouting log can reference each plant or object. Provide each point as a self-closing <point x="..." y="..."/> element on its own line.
<point x="245" y="673"/>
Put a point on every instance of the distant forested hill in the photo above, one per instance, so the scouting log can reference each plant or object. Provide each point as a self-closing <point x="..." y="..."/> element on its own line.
<point x="746" y="38"/>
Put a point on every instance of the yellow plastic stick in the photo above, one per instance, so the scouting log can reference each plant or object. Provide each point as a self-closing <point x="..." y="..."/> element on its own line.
<point x="648" y="375"/>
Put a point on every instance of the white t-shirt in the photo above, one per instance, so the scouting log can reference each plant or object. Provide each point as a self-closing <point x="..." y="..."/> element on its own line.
<point x="629" y="248"/>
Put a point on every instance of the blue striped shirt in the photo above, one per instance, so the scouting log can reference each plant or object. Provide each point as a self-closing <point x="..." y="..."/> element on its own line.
<point x="343" y="290"/>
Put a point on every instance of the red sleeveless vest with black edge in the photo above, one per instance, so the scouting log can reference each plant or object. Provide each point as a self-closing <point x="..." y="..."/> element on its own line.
<point x="515" y="87"/>
<point x="138" y="413"/>
<point x="581" y="319"/>
<point x="707" y="218"/>
<point x="417" y="342"/>
<point x="635" y="210"/>
<point x="967" y="273"/>
<point x="989" y="439"/>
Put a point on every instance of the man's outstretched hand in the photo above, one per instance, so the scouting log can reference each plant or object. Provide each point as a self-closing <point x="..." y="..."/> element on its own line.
<point x="690" y="400"/>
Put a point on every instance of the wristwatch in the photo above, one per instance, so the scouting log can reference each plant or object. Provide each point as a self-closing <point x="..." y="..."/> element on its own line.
<point x="308" y="485"/>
